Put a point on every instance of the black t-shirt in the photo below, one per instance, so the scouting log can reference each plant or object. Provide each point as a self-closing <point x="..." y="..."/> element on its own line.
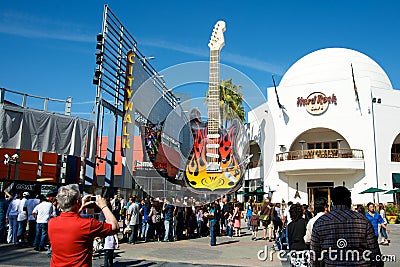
<point x="217" y="214"/>
<point x="297" y="231"/>
<point x="227" y="208"/>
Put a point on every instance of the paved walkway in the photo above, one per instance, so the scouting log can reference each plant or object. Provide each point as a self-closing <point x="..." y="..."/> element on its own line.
<point x="239" y="251"/>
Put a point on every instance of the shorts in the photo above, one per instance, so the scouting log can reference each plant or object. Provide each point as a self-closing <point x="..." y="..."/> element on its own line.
<point x="265" y="223"/>
<point x="254" y="228"/>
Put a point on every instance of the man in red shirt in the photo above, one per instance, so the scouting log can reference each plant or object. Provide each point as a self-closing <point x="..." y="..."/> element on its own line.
<point x="71" y="236"/>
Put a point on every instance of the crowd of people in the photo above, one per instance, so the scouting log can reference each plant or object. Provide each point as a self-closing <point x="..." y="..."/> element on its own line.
<point x="24" y="212"/>
<point x="68" y="224"/>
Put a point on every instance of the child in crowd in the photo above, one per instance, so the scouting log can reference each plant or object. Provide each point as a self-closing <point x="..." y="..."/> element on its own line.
<point x="254" y="223"/>
<point x="230" y="225"/>
<point x="237" y="219"/>
<point x="110" y="244"/>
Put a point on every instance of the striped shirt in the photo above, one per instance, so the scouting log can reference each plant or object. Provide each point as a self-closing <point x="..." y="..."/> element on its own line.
<point x="343" y="237"/>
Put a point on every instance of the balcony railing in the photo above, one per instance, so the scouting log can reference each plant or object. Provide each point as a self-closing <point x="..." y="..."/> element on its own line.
<point x="396" y="157"/>
<point x="321" y="153"/>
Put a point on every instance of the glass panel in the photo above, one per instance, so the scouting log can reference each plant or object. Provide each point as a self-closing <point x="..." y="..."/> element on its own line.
<point x="326" y="145"/>
<point x="318" y="145"/>
<point x="334" y="145"/>
<point x="310" y="146"/>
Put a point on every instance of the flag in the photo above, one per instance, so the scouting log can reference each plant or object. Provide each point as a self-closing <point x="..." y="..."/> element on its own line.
<point x="277" y="97"/>
<point x="355" y="88"/>
<point x="354" y="83"/>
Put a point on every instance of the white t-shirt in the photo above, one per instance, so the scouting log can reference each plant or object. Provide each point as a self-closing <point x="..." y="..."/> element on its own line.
<point x="21" y="213"/>
<point x="278" y="212"/>
<point x="133" y="211"/>
<point x="43" y="212"/>
<point x="13" y="207"/>
<point x="109" y="242"/>
<point x="310" y="224"/>
<point x="383" y="215"/>
<point x="287" y="215"/>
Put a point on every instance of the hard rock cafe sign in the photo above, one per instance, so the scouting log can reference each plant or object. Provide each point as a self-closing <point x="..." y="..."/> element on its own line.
<point x="316" y="103"/>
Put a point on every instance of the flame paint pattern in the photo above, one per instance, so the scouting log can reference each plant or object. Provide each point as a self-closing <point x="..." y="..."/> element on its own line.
<point x="197" y="178"/>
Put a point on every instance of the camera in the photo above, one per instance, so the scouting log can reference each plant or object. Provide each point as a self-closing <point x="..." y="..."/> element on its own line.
<point x="93" y="198"/>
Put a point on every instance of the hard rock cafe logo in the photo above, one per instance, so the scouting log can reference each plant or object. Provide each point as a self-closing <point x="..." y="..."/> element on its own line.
<point x="316" y="103"/>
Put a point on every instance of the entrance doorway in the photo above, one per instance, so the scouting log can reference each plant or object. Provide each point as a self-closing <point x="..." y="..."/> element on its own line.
<point x="321" y="189"/>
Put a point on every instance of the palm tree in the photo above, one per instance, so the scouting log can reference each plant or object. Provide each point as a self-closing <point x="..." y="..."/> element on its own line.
<point x="231" y="101"/>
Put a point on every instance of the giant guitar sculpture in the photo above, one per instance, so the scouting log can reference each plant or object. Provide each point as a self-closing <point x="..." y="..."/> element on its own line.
<point x="214" y="165"/>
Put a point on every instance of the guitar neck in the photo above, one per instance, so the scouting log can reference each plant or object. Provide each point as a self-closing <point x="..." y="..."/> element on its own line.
<point x="213" y="97"/>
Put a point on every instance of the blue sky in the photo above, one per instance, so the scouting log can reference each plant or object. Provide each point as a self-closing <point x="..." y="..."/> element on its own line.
<point x="47" y="47"/>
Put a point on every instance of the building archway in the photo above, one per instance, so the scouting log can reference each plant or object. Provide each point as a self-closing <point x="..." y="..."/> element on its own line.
<point x="328" y="141"/>
<point x="395" y="150"/>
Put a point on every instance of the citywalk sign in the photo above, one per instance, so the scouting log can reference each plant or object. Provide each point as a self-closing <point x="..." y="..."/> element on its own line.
<point x="128" y="103"/>
<point x="316" y="103"/>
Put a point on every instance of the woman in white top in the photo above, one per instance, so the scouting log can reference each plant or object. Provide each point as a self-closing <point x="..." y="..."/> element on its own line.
<point x="382" y="212"/>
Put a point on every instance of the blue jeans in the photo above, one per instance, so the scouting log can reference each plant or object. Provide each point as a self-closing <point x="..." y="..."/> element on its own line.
<point x="2" y="226"/>
<point x="108" y="257"/>
<point x="287" y="234"/>
<point x="248" y="222"/>
<point x="167" y="226"/>
<point x="145" y="229"/>
<point x="41" y="236"/>
<point x="13" y="228"/>
<point x="383" y="233"/>
<point x="199" y="228"/>
<point x="229" y="229"/>
<point x="21" y="229"/>
<point x="213" y="238"/>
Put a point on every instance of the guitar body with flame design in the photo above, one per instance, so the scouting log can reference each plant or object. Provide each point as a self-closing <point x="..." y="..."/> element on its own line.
<point x="229" y="175"/>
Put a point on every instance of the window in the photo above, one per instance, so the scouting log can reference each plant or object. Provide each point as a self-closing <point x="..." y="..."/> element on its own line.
<point x="326" y="145"/>
<point x="396" y="148"/>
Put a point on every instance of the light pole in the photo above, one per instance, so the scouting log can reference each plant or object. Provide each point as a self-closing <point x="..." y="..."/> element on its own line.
<point x="374" y="100"/>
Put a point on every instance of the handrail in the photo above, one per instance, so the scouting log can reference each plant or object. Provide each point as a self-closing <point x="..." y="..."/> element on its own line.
<point x="320" y="153"/>
<point x="68" y="101"/>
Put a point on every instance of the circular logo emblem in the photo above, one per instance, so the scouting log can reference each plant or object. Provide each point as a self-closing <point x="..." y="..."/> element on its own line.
<point x="341" y="243"/>
<point x="317" y="103"/>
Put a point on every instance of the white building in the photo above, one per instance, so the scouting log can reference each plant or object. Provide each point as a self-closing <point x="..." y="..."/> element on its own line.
<point x="332" y="131"/>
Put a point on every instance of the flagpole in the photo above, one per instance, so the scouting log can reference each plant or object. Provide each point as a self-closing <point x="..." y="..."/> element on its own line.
<point x="355" y="88"/>
<point x="277" y="97"/>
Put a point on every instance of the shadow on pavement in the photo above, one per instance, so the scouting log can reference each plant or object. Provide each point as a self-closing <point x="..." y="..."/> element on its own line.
<point x="136" y="263"/>
<point x="227" y="242"/>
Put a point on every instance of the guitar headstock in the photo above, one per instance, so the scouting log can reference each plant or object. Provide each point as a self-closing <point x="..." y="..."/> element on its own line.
<point x="217" y="38"/>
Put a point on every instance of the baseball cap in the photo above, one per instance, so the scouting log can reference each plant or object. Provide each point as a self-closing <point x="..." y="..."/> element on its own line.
<point x="25" y="194"/>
